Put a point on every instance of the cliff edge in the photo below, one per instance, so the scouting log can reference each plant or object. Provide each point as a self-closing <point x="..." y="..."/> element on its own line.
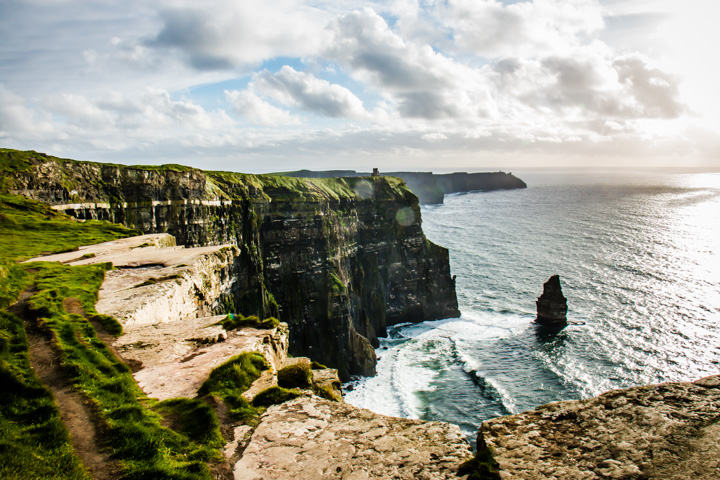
<point x="338" y="260"/>
<point x="669" y="431"/>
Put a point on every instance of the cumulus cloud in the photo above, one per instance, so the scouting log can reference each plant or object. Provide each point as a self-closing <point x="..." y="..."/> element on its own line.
<point x="589" y="84"/>
<point x="308" y="92"/>
<point x="531" y="28"/>
<point x="422" y="82"/>
<point x="258" y="111"/>
<point x="223" y="34"/>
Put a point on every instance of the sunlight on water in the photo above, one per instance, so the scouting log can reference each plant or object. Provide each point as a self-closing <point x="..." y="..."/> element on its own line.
<point x="639" y="260"/>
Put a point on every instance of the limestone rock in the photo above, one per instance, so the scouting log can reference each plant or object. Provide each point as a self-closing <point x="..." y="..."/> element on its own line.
<point x="552" y="304"/>
<point x="162" y="295"/>
<point x="338" y="260"/>
<point x="312" y="439"/>
<point x="666" y="431"/>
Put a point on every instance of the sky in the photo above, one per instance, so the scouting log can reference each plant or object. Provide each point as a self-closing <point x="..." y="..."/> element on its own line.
<point x="264" y="86"/>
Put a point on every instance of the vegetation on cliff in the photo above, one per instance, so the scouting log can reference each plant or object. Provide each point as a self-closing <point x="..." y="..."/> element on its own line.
<point x="57" y="312"/>
<point x="235" y="320"/>
<point x="231" y="379"/>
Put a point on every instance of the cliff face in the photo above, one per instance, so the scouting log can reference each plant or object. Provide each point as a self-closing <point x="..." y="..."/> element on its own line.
<point x="339" y="260"/>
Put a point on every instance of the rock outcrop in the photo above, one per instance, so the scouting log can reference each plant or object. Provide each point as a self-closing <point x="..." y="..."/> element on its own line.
<point x="311" y="438"/>
<point x="164" y="297"/>
<point x="338" y="260"/>
<point x="669" y="431"/>
<point x="431" y="188"/>
<point x="552" y="305"/>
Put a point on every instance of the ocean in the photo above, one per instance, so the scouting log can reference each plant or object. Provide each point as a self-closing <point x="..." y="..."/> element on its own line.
<point x="638" y="256"/>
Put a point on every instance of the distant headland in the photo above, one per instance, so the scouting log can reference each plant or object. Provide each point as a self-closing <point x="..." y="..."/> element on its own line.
<point x="431" y="188"/>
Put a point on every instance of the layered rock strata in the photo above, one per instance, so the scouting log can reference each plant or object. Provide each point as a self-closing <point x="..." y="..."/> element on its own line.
<point x="669" y="431"/>
<point x="339" y="260"/>
<point x="162" y="295"/>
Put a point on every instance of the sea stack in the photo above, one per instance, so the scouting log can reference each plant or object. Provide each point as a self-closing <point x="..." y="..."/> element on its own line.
<point x="552" y="305"/>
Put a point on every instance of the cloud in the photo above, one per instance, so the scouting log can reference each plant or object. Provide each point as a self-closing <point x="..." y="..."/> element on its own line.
<point x="223" y="34"/>
<point x="17" y="118"/>
<point x="258" y="111"/>
<point x="422" y="82"/>
<point x="590" y="83"/>
<point x="492" y="28"/>
<point x="151" y="109"/>
<point x="310" y="93"/>
<point x="656" y="93"/>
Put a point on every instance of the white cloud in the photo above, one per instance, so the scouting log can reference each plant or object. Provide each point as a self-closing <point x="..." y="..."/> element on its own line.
<point x="421" y="82"/>
<point x="434" y="137"/>
<point x="308" y="92"/>
<point x="493" y="28"/>
<point x="433" y="80"/>
<point x="222" y="34"/>
<point x="258" y="111"/>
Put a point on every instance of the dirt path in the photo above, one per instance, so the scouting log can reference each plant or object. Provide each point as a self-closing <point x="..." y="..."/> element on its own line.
<point x="75" y="410"/>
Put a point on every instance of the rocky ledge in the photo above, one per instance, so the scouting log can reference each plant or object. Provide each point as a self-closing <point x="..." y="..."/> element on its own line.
<point x="166" y="296"/>
<point x="313" y="439"/>
<point x="669" y="431"/>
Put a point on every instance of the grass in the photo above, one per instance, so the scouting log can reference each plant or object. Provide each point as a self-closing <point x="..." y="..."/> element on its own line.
<point x="134" y="433"/>
<point x="34" y="442"/>
<point x="234" y="321"/>
<point x="229" y="380"/>
<point x="296" y="375"/>
<point x="194" y="419"/>
<point x="274" y="396"/>
<point x="29" y="228"/>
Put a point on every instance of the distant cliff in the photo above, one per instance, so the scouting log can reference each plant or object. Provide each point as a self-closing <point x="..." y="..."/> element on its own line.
<point x="339" y="260"/>
<point x="431" y="188"/>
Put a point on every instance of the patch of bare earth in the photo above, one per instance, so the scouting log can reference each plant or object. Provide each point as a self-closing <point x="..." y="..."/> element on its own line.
<point x="75" y="410"/>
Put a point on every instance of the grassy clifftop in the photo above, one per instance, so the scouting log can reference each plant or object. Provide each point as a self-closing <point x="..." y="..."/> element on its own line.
<point x="38" y="174"/>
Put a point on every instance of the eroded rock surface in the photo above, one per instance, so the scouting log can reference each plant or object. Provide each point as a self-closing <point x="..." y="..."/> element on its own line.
<point x="669" y="431"/>
<point x="315" y="439"/>
<point x="162" y="295"/>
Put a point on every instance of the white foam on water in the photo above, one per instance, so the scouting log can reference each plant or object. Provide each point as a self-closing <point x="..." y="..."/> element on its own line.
<point x="402" y="370"/>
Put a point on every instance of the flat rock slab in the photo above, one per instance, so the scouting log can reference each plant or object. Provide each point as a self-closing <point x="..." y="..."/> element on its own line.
<point x="178" y="357"/>
<point x="669" y="431"/>
<point x="315" y="439"/>
<point x="132" y="251"/>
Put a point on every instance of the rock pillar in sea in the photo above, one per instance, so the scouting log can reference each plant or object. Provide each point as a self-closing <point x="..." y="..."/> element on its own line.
<point x="552" y="305"/>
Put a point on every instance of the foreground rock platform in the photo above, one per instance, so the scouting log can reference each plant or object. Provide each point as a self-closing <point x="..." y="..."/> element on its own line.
<point x="669" y="431"/>
<point x="315" y="439"/>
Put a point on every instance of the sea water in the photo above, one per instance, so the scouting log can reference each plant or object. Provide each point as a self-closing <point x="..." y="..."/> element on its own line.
<point x="639" y="261"/>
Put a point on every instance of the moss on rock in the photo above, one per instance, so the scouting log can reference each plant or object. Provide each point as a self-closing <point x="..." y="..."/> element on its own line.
<point x="297" y="375"/>
<point x="274" y="396"/>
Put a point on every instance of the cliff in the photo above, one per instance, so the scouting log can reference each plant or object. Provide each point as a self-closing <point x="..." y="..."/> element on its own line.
<point x="666" y="431"/>
<point x="431" y="188"/>
<point x="165" y="298"/>
<point x="339" y="260"/>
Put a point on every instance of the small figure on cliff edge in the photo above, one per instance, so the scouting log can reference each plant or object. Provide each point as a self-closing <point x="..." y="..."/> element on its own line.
<point x="552" y="305"/>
